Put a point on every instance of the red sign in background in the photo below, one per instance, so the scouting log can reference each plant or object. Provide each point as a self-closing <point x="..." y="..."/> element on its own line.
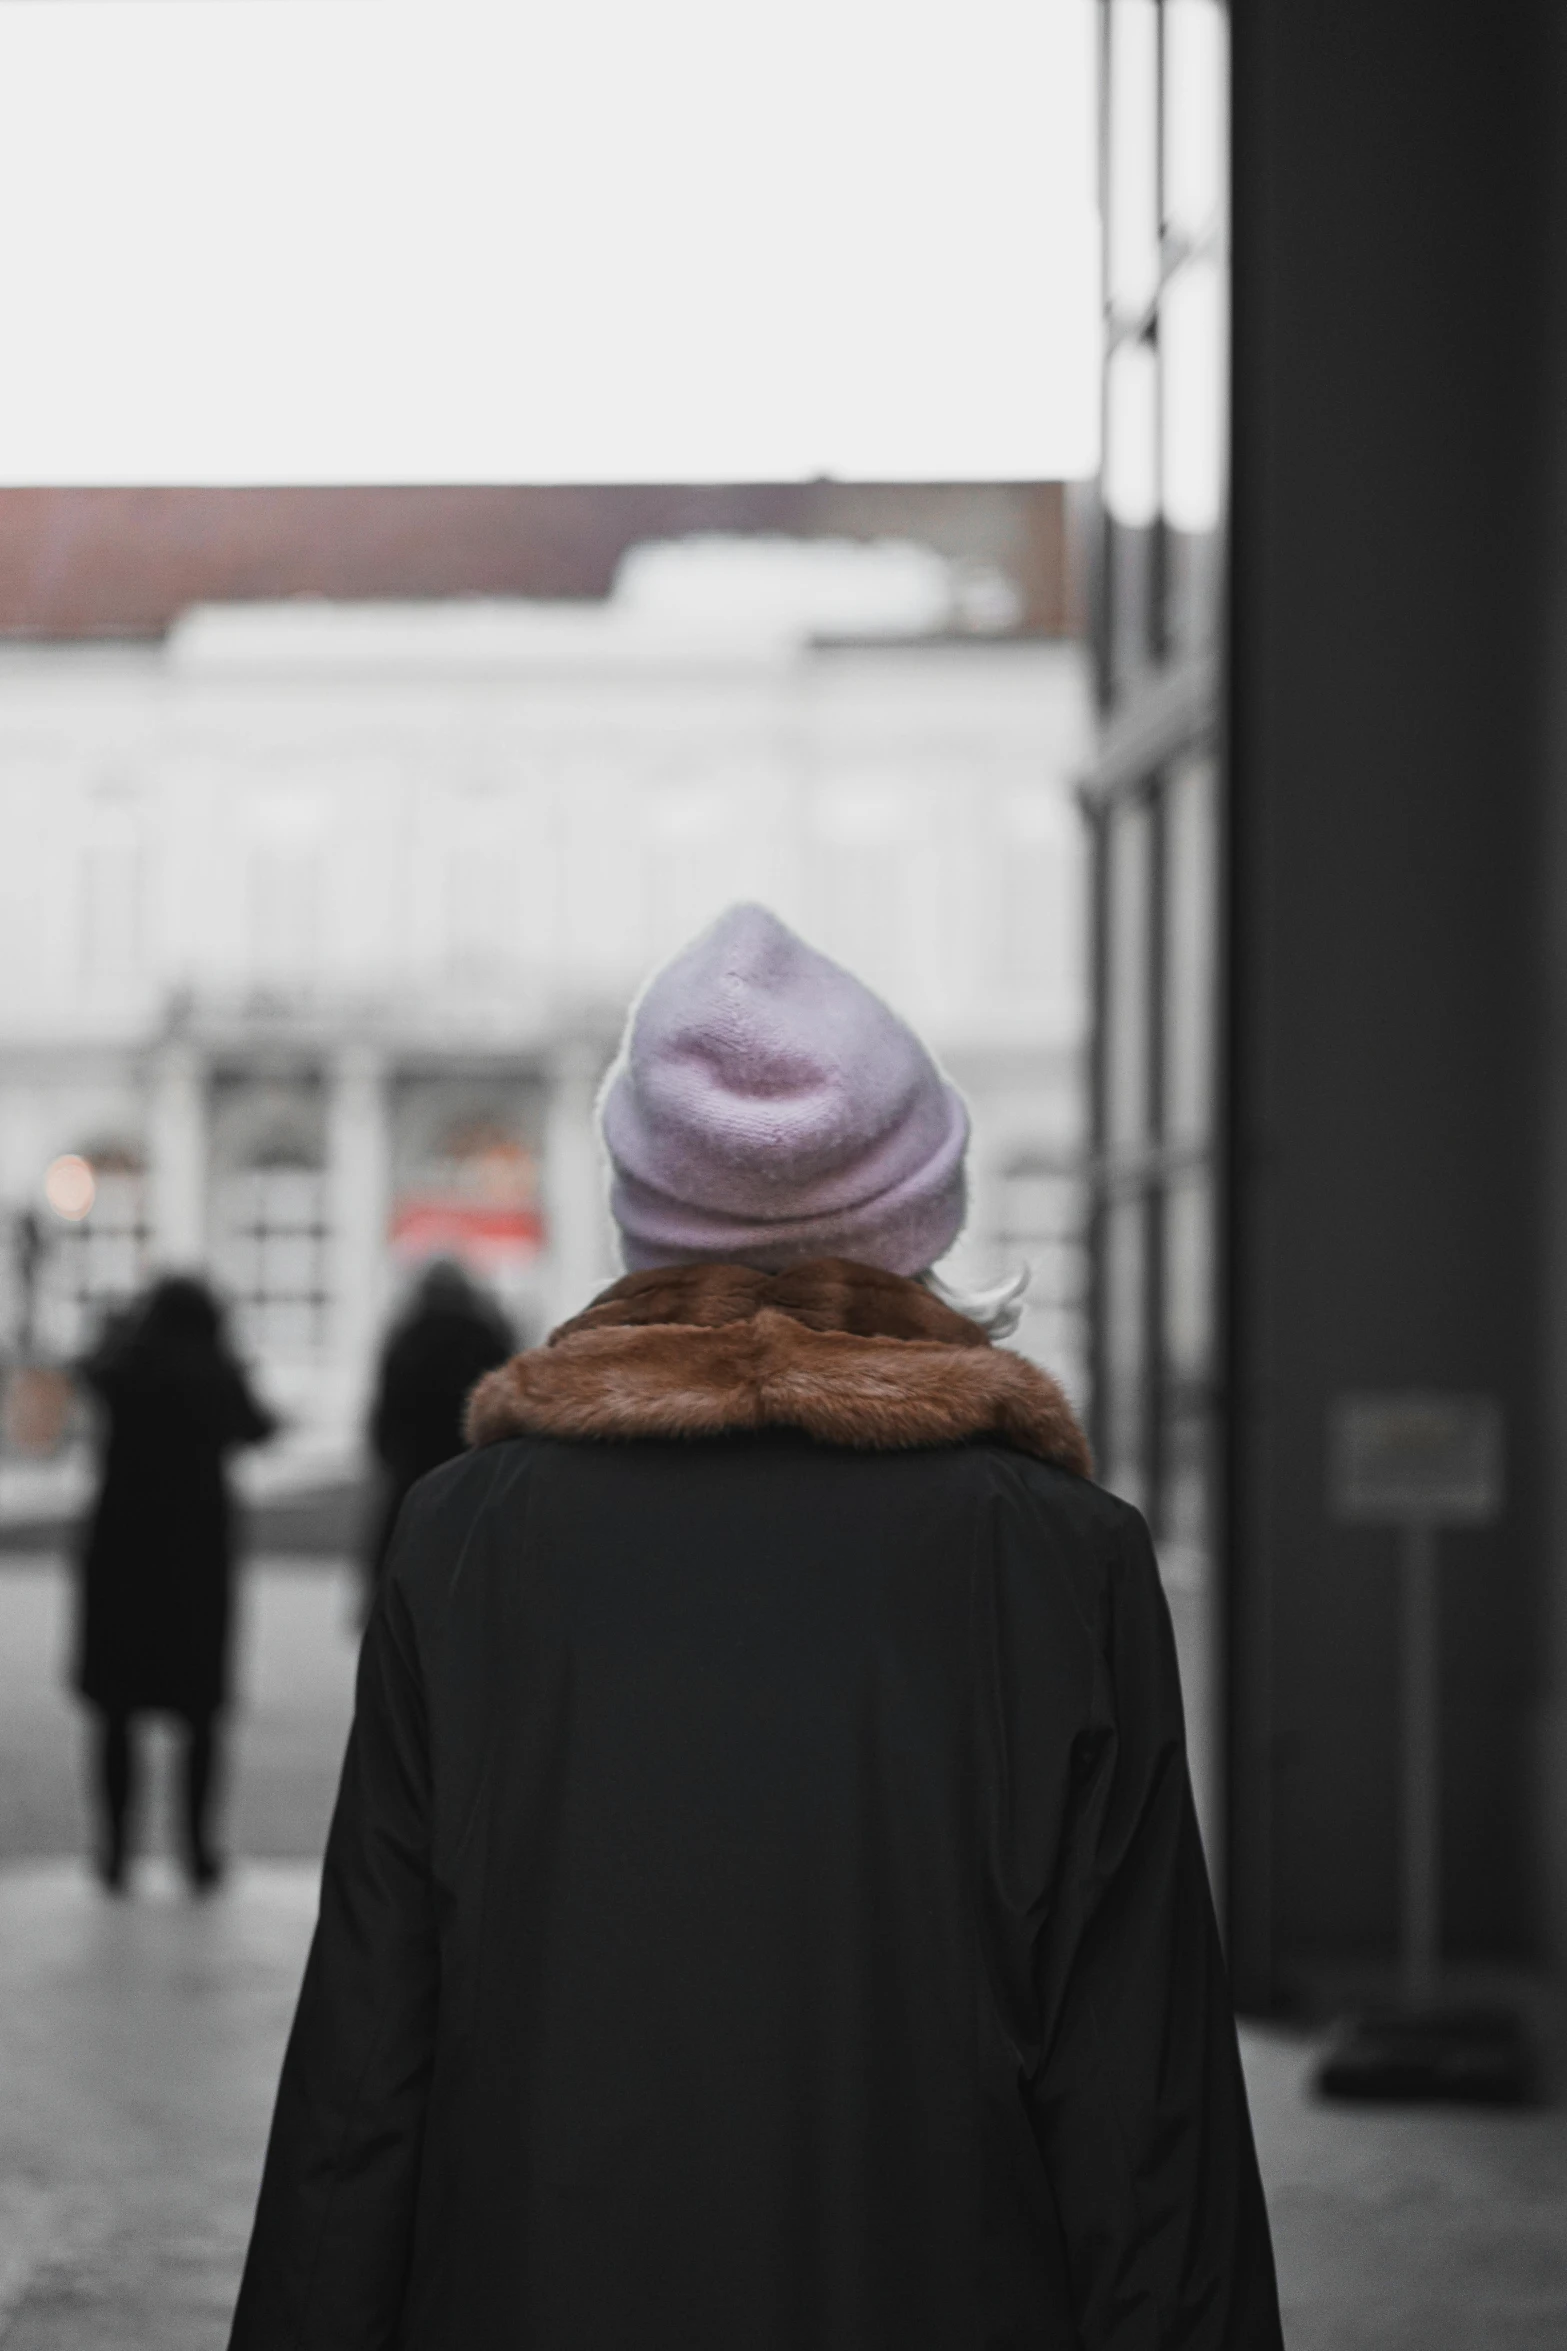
<point x="480" y="1232"/>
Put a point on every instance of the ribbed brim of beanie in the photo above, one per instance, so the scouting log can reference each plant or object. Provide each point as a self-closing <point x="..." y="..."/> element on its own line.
<point x="765" y="1107"/>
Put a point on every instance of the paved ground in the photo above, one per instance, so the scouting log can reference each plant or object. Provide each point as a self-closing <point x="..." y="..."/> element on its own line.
<point x="139" y="2044"/>
<point x="137" y="2060"/>
<point x="295" y="1674"/>
<point x="141" y="2041"/>
<point x="1409" y="2231"/>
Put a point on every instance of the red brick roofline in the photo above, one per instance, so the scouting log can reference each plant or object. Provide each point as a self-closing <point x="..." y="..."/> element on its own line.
<point x="124" y="562"/>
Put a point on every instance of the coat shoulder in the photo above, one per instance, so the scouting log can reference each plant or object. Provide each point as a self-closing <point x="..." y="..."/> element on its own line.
<point x="442" y="1510"/>
<point x="1067" y="1499"/>
<point x="1054" y="1525"/>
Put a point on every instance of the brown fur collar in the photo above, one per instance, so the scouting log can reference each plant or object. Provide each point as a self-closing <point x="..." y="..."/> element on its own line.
<point x="850" y="1355"/>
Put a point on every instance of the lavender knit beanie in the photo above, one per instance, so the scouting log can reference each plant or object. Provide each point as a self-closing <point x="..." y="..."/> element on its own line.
<point x="765" y="1107"/>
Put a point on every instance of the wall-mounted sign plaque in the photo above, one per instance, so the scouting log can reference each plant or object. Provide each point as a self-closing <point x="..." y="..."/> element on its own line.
<point x="1427" y="1457"/>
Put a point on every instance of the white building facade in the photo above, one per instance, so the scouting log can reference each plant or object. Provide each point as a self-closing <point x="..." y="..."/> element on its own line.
<point x="318" y="924"/>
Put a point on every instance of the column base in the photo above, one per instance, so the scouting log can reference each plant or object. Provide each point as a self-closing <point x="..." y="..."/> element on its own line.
<point x="1425" y="2054"/>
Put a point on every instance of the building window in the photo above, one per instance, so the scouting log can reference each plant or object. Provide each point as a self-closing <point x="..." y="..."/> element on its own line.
<point x="272" y="1257"/>
<point x="93" y="1265"/>
<point x="1154" y="1138"/>
<point x="467" y="1184"/>
<point x="476" y="1199"/>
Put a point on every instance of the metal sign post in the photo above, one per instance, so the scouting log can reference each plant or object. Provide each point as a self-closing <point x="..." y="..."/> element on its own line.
<point x="1420" y="1462"/>
<point x="1421" y="1907"/>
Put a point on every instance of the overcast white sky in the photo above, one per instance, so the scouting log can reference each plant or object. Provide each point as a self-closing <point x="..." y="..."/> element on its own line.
<point x="445" y="240"/>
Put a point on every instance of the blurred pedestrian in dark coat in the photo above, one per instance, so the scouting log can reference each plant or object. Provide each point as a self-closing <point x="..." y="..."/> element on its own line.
<point x="764" y="1909"/>
<point x="157" y="1563"/>
<point x="449" y="1337"/>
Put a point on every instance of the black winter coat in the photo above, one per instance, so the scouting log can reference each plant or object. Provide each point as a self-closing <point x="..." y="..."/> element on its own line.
<point x="764" y="1909"/>
<point x="429" y="1365"/>
<point x="157" y="1562"/>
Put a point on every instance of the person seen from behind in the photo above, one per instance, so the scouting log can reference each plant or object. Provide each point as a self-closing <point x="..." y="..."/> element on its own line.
<point x="448" y="1337"/>
<point x="764" y="1906"/>
<point x="157" y="1563"/>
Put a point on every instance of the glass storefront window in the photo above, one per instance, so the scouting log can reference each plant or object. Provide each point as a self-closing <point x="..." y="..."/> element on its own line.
<point x="1123" y="1367"/>
<point x="1154" y="798"/>
<point x="1128" y="949"/>
<point x="1195" y="132"/>
<point x="1191" y="916"/>
<point x="1132" y="164"/>
<point x="1135" y="568"/>
<point x="1191" y="396"/>
<point x="1186" y="1370"/>
<point x="1188" y="1271"/>
<point x="1131" y="452"/>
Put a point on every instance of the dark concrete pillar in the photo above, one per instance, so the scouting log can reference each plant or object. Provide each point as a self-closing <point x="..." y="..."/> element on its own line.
<point x="1386" y="665"/>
